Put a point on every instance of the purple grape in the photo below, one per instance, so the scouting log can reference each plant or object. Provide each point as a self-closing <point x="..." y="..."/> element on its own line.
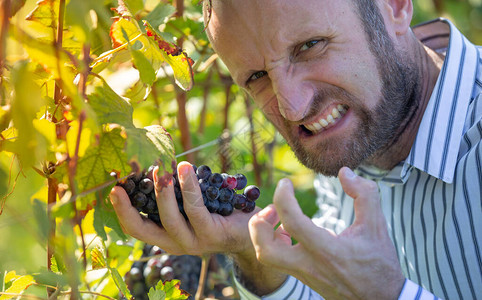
<point x="203" y="172"/>
<point x="151" y="207"/>
<point x="146" y="186"/>
<point x="139" y="200"/>
<point x="241" y="181"/>
<point x="226" y="195"/>
<point x="212" y="193"/>
<point x="129" y="186"/>
<point x="212" y="205"/>
<point x="167" y="273"/>
<point x="251" y="192"/>
<point x="149" y="173"/>
<point x="230" y="182"/>
<point x="225" y="209"/>
<point x="136" y="274"/>
<point x="216" y="180"/>
<point x="155" y="250"/>
<point x="203" y="184"/>
<point x="239" y="201"/>
<point x="250" y="205"/>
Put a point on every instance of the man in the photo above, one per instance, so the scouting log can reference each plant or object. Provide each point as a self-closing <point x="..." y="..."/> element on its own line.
<point x="349" y="85"/>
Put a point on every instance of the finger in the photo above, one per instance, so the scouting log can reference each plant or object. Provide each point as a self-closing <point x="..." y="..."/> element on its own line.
<point x="130" y="220"/>
<point x="196" y="211"/>
<point x="294" y="221"/>
<point x="172" y="220"/>
<point x="366" y="198"/>
<point x="273" y="247"/>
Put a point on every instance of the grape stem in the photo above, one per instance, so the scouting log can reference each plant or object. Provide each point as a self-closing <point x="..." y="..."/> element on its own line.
<point x="203" y="276"/>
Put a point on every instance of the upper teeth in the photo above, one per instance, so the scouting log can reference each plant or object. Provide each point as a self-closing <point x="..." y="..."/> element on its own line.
<point x="336" y="113"/>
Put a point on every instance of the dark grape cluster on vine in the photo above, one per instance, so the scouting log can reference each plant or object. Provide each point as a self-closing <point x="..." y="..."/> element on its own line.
<point x="159" y="265"/>
<point x="155" y="264"/>
<point x="219" y="192"/>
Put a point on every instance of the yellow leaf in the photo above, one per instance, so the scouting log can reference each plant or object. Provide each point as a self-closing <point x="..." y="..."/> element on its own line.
<point x="11" y="276"/>
<point x="18" y="286"/>
<point x="98" y="260"/>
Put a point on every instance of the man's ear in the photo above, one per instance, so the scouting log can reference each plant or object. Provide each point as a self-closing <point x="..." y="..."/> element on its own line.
<point x="399" y="13"/>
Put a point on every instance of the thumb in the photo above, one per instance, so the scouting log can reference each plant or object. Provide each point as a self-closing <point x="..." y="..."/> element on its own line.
<point x="365" y="195"/>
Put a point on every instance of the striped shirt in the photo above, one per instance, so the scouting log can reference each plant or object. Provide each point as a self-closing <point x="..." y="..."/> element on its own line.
<point x="431" y="201"/>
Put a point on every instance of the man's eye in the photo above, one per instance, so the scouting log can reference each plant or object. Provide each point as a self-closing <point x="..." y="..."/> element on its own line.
<point x="257" y="75"/>
<point x="308" y="45"/>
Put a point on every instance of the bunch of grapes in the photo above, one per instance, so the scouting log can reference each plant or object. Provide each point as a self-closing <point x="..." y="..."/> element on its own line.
<point x="162" y="266"/>
<point x="219" y="192"/>
<point x="155" y="264"/>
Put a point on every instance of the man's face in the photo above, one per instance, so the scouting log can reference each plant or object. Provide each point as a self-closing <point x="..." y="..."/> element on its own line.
<point x="308" y="66"/>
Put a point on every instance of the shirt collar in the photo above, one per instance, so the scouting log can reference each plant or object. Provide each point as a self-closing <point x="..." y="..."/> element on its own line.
<point x="437" y="144"/>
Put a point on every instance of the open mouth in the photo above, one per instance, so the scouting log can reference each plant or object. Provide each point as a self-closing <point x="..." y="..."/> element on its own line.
<point x="325" y="121"/>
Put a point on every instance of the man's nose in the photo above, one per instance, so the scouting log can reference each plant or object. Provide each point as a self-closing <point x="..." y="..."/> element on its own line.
<point x="293" y="94"/>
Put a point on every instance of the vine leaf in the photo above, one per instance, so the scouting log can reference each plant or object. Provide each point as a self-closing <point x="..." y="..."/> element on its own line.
<point x="109" y="107"/>
<point x="56" y="265"/>
<point x="104" y="215"/>
<point x="44" y="18"/>
<point x="180" y="63"/>
<point x="45" y="13"/>
<point x="146" y="71"/>
<point x="152" y="144"/>
<point x="18" y="285"/>
<point x="159" y="14"/>
<point x="43" y="53"/>
<point x="30" y="144"/>
<point x="169" y="290"/>
<point x="94" y="167"/>
<point x="119" y="282"/>
<point x="134" y="5"/>
<point x="155" y="49"/>
<point x="98" y="260"/>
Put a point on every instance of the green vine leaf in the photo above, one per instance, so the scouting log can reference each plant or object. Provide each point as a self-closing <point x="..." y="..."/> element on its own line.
<point x="109" y="107"/>
<point x="31" y="146"/>
<point x="119" y="282"/>
<point x="169" y="290"/>
<point x="104" y="215"/>
<point x="56" y="264"/>
<point x="99" y="160"/>
<point x="152" y="145"/>
<point x="159" y="15"/>
<point x="146" y="71"/>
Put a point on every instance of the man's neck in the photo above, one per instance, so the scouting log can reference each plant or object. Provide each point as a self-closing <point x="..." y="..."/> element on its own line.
<point x="430" y="64"/>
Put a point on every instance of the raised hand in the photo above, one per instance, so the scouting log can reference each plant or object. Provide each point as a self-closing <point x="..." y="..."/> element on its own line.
<point x="359" y="263"/>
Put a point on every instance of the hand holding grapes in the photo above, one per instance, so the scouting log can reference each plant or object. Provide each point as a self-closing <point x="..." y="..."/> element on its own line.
<point x="360" y="263"/>
<point x="202" y="233"/>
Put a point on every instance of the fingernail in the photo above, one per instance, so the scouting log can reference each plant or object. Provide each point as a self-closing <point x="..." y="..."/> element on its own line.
<point x="284" y="182"/>
<point x="183" y="170"/>
<point x="349" y="173"/>
<point x="265" y="211"/>
<point x="113" y="198"/>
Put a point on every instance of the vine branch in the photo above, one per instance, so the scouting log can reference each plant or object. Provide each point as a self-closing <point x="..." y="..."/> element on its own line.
<point x="5" y="15"/>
